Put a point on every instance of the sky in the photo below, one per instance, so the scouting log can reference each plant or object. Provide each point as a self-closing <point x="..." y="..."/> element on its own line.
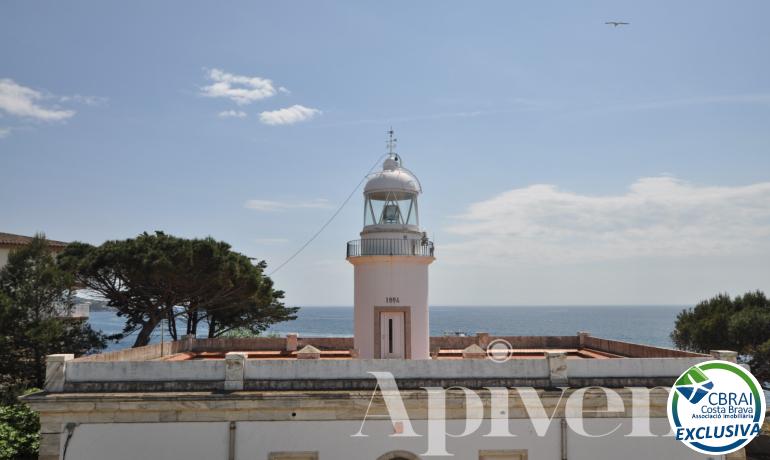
<point x="564" y="161"/>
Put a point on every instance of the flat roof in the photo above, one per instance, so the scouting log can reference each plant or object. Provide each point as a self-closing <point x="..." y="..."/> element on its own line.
<point x="579" y="346"/>
<point x="525" y="353"/>
<point x="280" y="364"/>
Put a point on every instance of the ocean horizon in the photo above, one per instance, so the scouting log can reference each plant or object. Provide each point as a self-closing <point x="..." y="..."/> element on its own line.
<point x="644" y="324"/>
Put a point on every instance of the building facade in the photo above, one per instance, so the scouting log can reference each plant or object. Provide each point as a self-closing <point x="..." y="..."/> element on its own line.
<point x="391" y="392"/>
<point x="10" y="242"/>
<point x="310" y="398"/>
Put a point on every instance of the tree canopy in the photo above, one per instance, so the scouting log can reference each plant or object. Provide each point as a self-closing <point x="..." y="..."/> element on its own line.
<point x="156" y="276"/>
<point x="740" y="324"/>
<point x="35" y="301"/>
<point x="19" y="431"/>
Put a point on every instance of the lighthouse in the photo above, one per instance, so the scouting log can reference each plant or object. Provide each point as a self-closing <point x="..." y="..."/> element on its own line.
<point x="390" y="263"/>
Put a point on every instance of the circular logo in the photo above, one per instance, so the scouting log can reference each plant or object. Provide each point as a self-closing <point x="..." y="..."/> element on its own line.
<point x="716" y="407"/>
<point x="499" y="350"/>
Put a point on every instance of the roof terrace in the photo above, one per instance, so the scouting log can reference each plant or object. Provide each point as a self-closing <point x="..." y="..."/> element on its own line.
<point x="324" y="363"/>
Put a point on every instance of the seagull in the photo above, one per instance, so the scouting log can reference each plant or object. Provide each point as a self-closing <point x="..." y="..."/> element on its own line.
<point x="617" y="23"/>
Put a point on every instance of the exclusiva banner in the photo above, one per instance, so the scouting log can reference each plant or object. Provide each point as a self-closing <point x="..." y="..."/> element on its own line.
<point x="716" y="407"/>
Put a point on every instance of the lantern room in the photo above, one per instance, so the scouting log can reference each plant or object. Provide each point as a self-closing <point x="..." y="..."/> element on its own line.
<point x="390" y="199"/>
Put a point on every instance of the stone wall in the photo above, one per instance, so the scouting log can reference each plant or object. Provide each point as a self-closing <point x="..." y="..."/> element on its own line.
<point x="145" y="353"/>
<point x="236" y="372"/>
<point x="224" y="345"/>
<point x="635" y="350"/>
<point x="63" y="414"/>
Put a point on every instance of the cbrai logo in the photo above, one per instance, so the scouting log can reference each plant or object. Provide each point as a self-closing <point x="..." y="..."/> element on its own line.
<point x="694" y="385"/>
<point x="716" y="407"/>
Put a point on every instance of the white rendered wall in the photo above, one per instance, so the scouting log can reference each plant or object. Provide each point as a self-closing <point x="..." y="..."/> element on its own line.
<point x="149" y="441"/>
<point x="4" y="256"/>
<point x="336" y="369"/>
<point x="145" y="371"/>
<point x="333" y="441"/>
<point x="333" y="369"/>
<point x="378" y="278"/>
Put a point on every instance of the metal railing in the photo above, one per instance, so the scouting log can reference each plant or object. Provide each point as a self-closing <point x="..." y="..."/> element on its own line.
<point x="390" y="247"/>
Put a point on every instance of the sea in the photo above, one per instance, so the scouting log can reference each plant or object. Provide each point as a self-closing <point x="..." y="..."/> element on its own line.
<point x="649" y="325"/>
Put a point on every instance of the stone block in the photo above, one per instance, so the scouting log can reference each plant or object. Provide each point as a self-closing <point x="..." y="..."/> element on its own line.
<point x="54" y="372"/>
<point x="309" y="352"/>
<point x="557" y="367"/>
<point x="50" y="444"/>
<point x="234" y="363"/>
<point x="291" y="342"/>
<point x="725" y="355"/>
<point x="482" y="338"/>
<point x="582" y="335"/>
<point x="474" y="351"/>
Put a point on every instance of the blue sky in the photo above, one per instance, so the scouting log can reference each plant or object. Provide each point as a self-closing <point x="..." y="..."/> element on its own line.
<point x="564" y="161"/>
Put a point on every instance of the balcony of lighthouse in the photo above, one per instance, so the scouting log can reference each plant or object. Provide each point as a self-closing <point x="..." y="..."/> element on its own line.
<point x="390" y="247"/>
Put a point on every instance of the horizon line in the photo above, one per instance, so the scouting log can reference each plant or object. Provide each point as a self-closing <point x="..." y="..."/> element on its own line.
<point x="521" y="305"/>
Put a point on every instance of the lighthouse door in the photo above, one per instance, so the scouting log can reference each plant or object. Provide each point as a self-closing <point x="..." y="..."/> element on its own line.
<point x="392" y="334"/>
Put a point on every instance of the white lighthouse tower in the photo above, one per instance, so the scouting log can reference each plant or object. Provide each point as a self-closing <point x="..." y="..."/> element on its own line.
<point x="391" y="267"/>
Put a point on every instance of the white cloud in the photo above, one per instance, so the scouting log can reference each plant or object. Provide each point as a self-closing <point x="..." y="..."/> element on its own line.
<point x="232" y="114"/>
<point x="288" y="116"/>
<point x="269" y="205"/>
<point x="238" y="88"/>
<point x="656" y="217"/>
<point x="23" y="102"/>
<point x="4" y="132"/>
<point x="92" y="101"/>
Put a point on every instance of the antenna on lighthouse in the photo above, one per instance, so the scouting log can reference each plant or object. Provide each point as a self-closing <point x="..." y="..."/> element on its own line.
<point x="391" y="143"/>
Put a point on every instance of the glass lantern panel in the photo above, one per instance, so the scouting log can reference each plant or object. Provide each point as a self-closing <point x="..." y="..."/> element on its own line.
<point x="391" y="214"/>
<point x="370" y="216"/>
<point x="391" y="211"/>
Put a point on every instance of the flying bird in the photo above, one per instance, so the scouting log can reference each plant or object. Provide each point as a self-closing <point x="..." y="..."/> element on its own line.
<point x="617" y="23"/>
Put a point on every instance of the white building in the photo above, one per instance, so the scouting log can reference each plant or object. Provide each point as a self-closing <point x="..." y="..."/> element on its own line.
<point x="297" y="398"/>
<point x="10" y="242"/>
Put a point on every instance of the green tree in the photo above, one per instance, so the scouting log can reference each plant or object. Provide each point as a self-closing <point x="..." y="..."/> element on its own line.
<point x="741" y="324"/>
<point x="35" y="302"/>
<point x="19" y="432"/>
<point x="156" y="276"/>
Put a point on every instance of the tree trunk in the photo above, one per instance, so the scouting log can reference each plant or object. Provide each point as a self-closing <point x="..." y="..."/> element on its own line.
<point x="146" y="332"/>
<point x="192" y="321"/>
<point x="189" y="316"/>
<point x="171" y="320"/>
<point x="39" y="370"/>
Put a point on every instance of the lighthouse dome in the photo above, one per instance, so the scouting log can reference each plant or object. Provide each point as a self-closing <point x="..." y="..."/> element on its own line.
<point x="394" y="180"/>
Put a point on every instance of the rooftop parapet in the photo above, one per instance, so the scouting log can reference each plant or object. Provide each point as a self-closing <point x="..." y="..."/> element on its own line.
<point x="267" y="364"/>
